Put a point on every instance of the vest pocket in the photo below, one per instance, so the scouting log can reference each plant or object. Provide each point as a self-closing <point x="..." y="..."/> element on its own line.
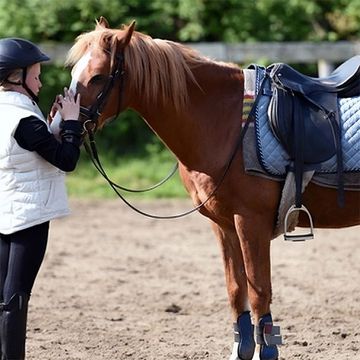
<point x="53" y="196"/>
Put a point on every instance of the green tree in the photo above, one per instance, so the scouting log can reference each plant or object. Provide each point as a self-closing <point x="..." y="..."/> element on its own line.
<point x="178" y="20"/>
<point x="186" y="20"/>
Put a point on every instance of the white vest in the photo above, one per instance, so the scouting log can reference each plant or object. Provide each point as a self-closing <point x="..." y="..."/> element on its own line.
<point x="32" y="190"/>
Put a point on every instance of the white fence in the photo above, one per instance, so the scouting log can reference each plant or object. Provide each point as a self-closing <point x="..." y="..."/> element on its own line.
<point x="324" y="54"/>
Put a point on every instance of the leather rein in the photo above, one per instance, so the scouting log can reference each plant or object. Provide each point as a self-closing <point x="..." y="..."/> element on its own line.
<point x="91" y="116"/>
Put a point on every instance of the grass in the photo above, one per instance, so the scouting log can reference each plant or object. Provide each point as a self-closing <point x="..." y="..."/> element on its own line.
<point x="131" y="172"/>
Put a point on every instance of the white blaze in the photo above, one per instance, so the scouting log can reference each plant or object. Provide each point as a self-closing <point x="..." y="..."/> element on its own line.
<point x="77" y="70"/>
<point x="75" y="75"/>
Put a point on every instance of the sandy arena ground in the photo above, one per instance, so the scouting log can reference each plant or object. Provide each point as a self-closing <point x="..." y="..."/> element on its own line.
<point x="115" y="285"/>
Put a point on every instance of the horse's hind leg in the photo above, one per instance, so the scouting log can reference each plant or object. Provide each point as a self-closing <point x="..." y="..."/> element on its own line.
<point x="255" y="235"/>
<point x="236" y="282"/>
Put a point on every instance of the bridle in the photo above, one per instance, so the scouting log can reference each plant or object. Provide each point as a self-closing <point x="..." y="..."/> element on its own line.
<point x="92" y="114"/>
<point x="90" y="124"/>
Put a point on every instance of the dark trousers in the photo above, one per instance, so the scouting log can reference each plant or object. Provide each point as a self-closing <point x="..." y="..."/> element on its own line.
<point x="21" y="255"/>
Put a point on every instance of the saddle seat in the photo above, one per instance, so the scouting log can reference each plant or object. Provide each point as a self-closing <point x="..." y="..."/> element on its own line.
<point x="344" y="80"/>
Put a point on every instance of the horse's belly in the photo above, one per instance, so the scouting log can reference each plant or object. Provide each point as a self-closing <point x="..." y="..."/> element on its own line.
<point x="323" y="205"/>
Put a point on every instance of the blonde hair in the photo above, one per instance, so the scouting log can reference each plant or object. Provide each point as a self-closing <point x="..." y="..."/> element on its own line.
<point x="15" y="76"/>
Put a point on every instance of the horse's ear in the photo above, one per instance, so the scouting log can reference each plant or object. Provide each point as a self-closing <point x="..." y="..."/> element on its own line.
<point x="101" y="23"/>
<point x="128" y="32"/>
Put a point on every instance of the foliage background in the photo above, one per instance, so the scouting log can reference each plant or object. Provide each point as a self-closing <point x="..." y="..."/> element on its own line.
<point x="179" y="20"/>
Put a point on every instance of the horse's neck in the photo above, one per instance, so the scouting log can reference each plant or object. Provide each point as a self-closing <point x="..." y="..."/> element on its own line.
<point x="209" y="126"/>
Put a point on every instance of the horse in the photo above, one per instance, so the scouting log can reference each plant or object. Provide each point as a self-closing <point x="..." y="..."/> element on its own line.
<point x="195" y="105"/>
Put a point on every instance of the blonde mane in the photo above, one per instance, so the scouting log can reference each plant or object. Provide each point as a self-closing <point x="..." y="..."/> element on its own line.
<point x="158" y="68"/>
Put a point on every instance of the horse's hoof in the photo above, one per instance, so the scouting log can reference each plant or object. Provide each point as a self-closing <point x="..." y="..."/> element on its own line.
<point x="269" y="352"/>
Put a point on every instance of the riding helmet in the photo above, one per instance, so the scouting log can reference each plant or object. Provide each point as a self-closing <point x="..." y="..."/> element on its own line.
<point x="18" y="53"/>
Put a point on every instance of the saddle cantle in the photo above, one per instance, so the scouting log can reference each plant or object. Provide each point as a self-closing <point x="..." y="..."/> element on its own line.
<point x="344" y="80"/>
<point x="304" y="117"/>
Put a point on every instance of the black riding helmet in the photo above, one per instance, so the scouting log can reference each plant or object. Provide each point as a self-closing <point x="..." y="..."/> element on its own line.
<point x="16" y="53"/>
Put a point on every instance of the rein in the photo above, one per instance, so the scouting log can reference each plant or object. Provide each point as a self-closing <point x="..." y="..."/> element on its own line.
<point x="93" y="153"/>
<point x="91" y="149"/>
<point x="92" y="115"/>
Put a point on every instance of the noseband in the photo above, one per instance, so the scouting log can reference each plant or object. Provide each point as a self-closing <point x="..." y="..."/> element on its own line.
<point x="92" y="114"/>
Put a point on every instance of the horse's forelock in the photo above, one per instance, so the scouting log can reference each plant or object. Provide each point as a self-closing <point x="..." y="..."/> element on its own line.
<point x="99" y="37"/>
<point x="77" y="50"/>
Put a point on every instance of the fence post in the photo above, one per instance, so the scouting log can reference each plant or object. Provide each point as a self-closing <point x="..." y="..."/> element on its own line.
<point x="325" y="67"/>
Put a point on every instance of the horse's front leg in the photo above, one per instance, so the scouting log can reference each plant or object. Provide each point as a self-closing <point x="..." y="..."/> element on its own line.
<point x="255" y="233"/>
<point x="236" y="282"/>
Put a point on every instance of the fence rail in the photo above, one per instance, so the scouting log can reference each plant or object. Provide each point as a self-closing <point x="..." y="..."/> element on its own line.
<point x="324" y="54"/>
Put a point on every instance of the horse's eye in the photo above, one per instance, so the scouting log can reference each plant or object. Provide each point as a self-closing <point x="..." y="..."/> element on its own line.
<point x="97" y="79"/>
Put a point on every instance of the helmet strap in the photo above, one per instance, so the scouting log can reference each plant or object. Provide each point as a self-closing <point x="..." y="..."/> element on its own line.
<point x="12" y="82"/>
<point x="33" y="96"/>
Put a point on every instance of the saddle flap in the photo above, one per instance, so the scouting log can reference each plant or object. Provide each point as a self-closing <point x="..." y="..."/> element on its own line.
<point x="318" y="135"/>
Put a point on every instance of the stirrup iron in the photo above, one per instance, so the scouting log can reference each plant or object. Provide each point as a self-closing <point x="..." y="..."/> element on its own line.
<point x="298" y="237"/>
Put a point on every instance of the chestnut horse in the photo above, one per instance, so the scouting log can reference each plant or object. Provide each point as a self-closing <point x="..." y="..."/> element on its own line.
<point x="194" y="105"/>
